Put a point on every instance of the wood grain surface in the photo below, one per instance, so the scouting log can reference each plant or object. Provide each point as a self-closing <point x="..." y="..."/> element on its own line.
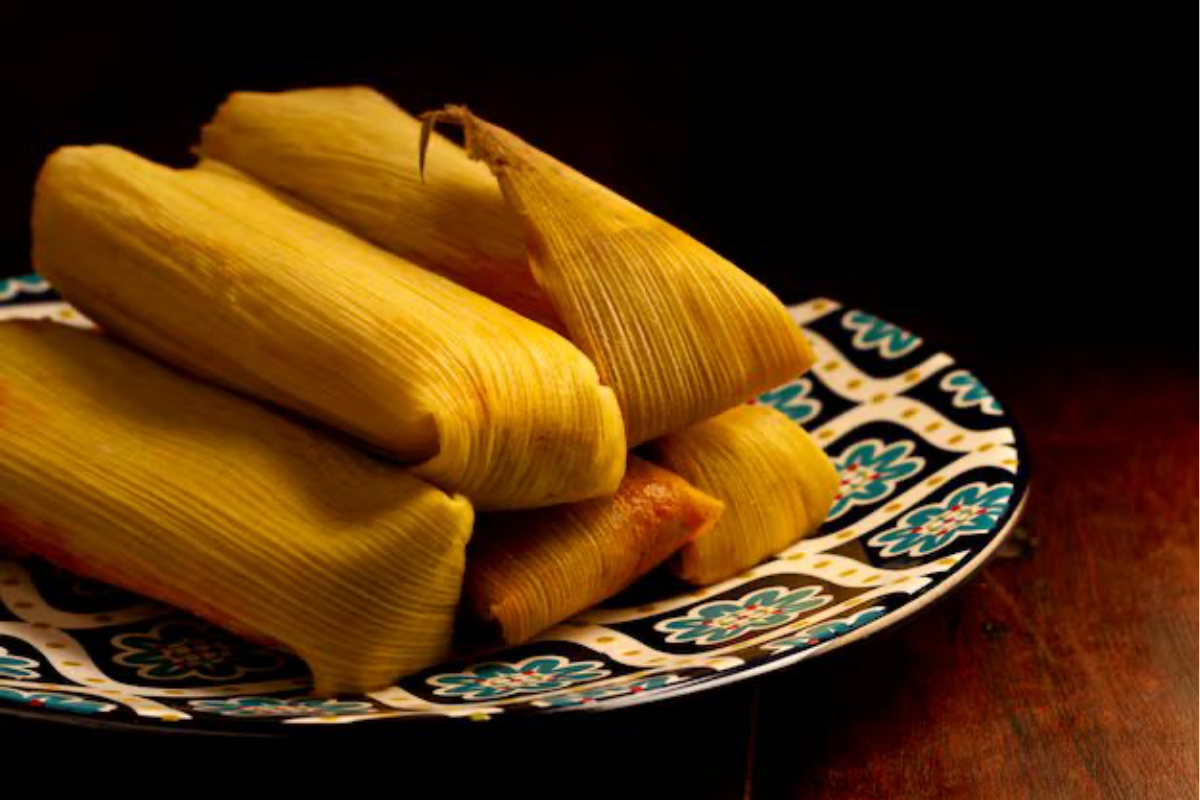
<point x="1068" y="669"/>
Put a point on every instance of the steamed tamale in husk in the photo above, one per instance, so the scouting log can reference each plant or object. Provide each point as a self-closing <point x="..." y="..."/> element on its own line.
<point x="678" y="332"/>
<point x="118" y="468"/>
<point x="217" y="276"/>
<point x="353" y="154"/>
<point x="528" y="570"/>
<point x="776" y="482"/>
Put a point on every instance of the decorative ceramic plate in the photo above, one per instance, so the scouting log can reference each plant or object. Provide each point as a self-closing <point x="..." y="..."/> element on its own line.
<point x="933" y="477"/>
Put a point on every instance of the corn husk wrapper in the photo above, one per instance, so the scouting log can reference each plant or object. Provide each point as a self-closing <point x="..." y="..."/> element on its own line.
<point x="216" y="276"/>
<point x="776" y="482"/>
<point x="118" y="468"/>
<point x="353" y="154"/>
<point x="678" y="332"/>
<point x="528" y="570"/>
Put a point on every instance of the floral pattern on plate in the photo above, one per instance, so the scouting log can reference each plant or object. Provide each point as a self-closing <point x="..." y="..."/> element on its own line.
<point x="55" y="701"/>
<point x="497" y="679"/>
<point x="817" y="634"/>
<point x="19" y="667"/>
<point x="872" y="333"/>
<point x="870" y="470"/>
<point x="724" y="620"/>
<point x="179" y="649"/>
<point x="971" y="510"/>
<point x="794" y="399"/>
<point x="280" y="707"/>
<point x="916" y="525"/>
<point x="968" y="392"/>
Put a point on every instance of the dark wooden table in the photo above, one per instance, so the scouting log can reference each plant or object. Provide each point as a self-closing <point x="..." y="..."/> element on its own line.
<point x="1067" y="669"/>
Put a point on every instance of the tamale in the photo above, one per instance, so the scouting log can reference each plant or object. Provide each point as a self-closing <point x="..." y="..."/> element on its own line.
<point x="677" y="331"/>
<point x="121" y="469"/>
<point x="216" y="276"/>
<point x="527" y="570"/>
<point x="776" y="482"/>
<point x="353" y="154"/>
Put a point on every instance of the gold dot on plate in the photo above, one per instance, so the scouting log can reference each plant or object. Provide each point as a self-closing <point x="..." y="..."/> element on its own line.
<point x="1009" y="462"/>
<point x="478" y="716"/>
<point x="848" y="572"/>
<point x="820" y="565"/>
<point x="956" y="438"/>
<point x="909" y="413"/>
<point x="656" y="660"/>
<point x="795" y="556"/>
<point x="631" y="653"/>
<point x="830" y="366"/>
<point x="646" y="609"/>
<point x="871" y="579"/>
<point x="72" y="664"/>
<point x="933" y="426"/>
<point x="605" y="640"/>
<point x="170" y="718"/>
<point x="96" y="680"/>
<point x="983" y="448"/>
<point x="879" y="398"/>
<point x="825" y="433"/>
<point x="844" y="535"/>
<point x="934" y="481"/>
<point x="174" y="692"/>
<point x="901" y="579"/>
<point x="820" y="305"/>
<point x="913" y="376"/>
<point x="945" y="562"/>
<point x="854" y="384"/>
<point x="894" y="507"/>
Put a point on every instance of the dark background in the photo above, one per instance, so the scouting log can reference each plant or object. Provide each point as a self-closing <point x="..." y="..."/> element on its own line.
<point x="999" y="182"/>
<point x="1002" y="183"/>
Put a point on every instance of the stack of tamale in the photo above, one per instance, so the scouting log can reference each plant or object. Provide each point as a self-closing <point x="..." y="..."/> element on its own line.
<point x="354" y="335"/>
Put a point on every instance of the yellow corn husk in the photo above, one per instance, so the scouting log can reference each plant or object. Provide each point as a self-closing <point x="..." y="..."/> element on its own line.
<point x="528" y="570"/>
<point x="677" y="331"/>
<point x="216" y="276"/>
<point x="121" y="469"/>
<point x="353" y="154"/>
<point x="776" y="482"/>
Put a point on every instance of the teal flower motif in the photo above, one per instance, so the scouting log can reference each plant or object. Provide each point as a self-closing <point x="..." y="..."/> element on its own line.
<point x="973" y="509"/>
<point x="19" y="667"/>
<point x="587" y="696"/>
<point x="496" y="679"/>
<point x="870" y="470"/>
<point x="723" y="620"/>
<point x="55" y="701"/>
<point x="280" y="707"/>
<point x="830" y="629"/>
<point x="969" y="392"/>
<point x="179" y="649"/>
<point x="872" y="333"/>
<point x="30" y="284"/>
<point x="794" y="399"/>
